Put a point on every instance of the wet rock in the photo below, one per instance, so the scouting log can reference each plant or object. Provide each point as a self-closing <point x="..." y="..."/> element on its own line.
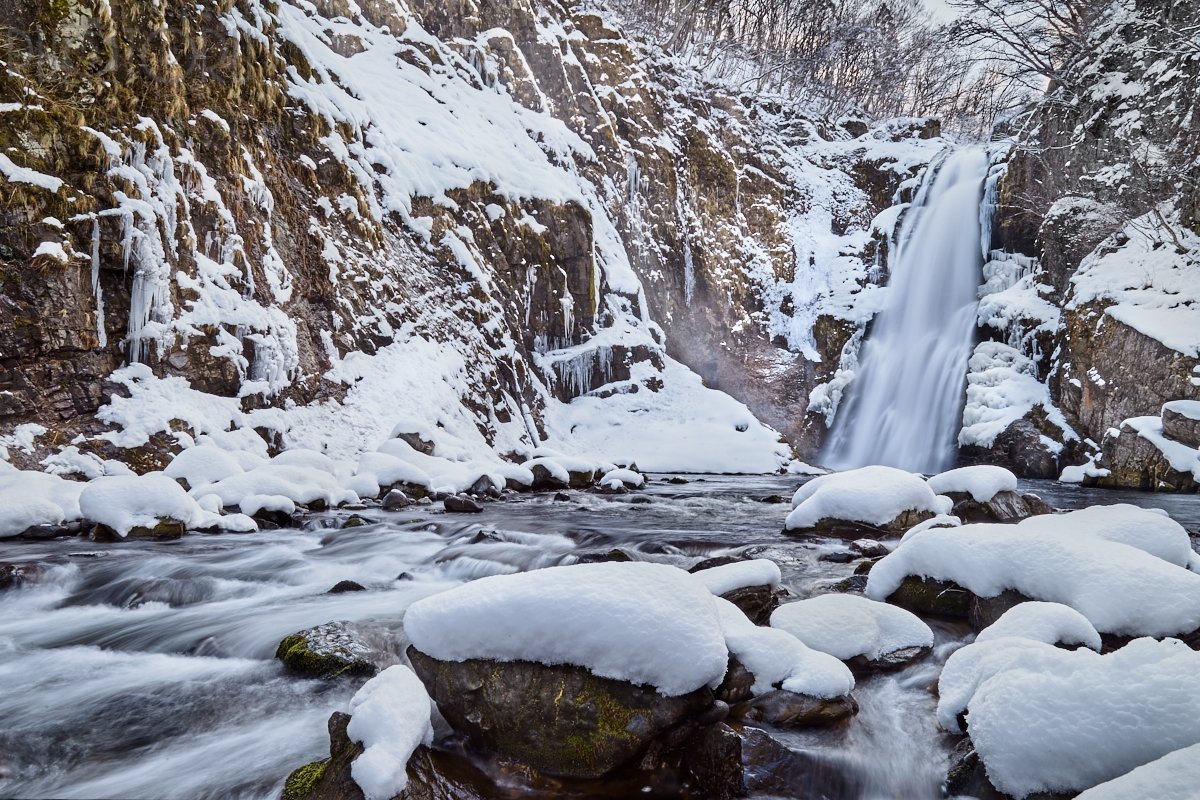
<point x="395" y="500"/>
<point x="483" y="485"/>
<point x="544" y="479"/>
<point x="675" y="479"/>
<point x="336" y="649"/>
<point x="869" y="548"/>
<point x="165" y="530"/>
<point x="41" y="533"/>
<point x="864" y="567"/>
<point x="616" y="554"/>
<point x="716" y="561"/>
<point x="1021" y="448"/>
<point x="562" y="497"/>
<point x="775" y="770"/>
<point x="887" y="662"/>
<point x="737" y="685"/>
<point x="756" y="602"/>
<point x="1006" y="507"/>
<point x="561" y="720"/>
<point x="852" y="529"/>
<point x="983" y="611"/>
<point x="342" y="587"/>
<point x="355" y="521"/>
<point x="791" y="710"/>
<point x="712" y="762"/>
<point x="853" y="584"/>
<point x="641" y="501"/>
<point x="461" y="504"/>
<point x="774" y="499"/>
<point x="837" y="557"/>
<point x="270" y="520"/>
<point x="13" y="576"/>
<point x="935" y="598"/>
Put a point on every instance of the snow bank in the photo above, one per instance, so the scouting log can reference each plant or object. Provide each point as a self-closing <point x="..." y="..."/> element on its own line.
<point x="727" y="577"/>
<point x="1175" y="776"/>
<point x="778" y="659"/>
<point x="638" y="622"/>
<point x="141" y="501"/>
<point x="1122" y="567"/>
<point x="390" y="717"/>
<point x="846" y="626"/>
<point x="298" y="484"/>
<point x="29" y="498"/>
<point x="874" y="495"/>
<point x="1052" y="623"/>
<point x="203" y="464"/>
<point x="982" y="482"/>
<point x="1072" y="728"/>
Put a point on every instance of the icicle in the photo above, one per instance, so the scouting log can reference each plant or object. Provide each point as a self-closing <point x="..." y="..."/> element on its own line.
<point x="101" y="336"/>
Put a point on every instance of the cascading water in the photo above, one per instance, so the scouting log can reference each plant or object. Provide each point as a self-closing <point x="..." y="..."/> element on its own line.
<point x="904" y="408"/>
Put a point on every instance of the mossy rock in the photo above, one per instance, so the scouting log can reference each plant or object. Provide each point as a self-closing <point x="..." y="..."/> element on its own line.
<point x="936" y="598"/>
<point x="165" y="530"/>
<point x="562" y="720"/>
<point x="328" y="651"/>
<point x="300" y="784"/>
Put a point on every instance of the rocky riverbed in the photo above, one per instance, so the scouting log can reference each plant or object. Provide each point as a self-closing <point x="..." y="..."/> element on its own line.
<point x="147" y="669"/>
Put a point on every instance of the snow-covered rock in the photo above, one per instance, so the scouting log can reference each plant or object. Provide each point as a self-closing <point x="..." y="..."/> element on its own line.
<point x="637" y="622"/>
<point x="203" y="464"/>
<point x="1052" y="623"/>
<point x="300" y="484"/>
<point x="981" y="482"/>
<point x="29" y="498"/>
<point x="873" y="498"/>
<point x="866" y="633"/>
<point x="776" y="658"/>
<point x="739" y="575"/>
<point x="1175" y="776"/>
<point x="390" y="717"/>
<point x="1085" y="719"/>
<point x="128" y="503"/>
<point x="1122" y="567"/>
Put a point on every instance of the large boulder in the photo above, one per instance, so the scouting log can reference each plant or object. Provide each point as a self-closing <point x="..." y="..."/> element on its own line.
<point x="1138" y="455"/>
<point x="791" y="710"/>
<point x="870" y="501"/>
<point x="560" y="719"/>
<point x="1181" y="422"/>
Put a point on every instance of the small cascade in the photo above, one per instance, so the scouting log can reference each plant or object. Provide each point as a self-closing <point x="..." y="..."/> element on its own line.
<point x="904" y="407"/>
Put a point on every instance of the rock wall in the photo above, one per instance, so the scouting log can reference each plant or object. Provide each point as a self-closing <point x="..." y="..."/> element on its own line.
<point x="1101" y="189"/>
<point x="253" y="195"/>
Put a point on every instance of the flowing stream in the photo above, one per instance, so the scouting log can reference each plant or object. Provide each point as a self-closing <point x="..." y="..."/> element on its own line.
<point x="146" y="670"/>
<point x="904" y="408"/>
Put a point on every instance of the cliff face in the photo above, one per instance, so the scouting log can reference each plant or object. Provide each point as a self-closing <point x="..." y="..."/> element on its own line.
<point x="312" y="219"/>
<point x="1101" y="190"/>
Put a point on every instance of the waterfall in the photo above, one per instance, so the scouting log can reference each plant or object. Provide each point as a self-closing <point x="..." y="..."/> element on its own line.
<point x="904" y="408"/>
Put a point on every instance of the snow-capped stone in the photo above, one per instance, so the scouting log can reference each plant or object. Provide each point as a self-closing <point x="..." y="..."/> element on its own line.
<point x="636" y="621"/>
<point x="1175" y="776"/>
<point x="29" y="498"/>
<point x="124" y="503"/>
<point x="877" y="497"/>
<point x="203" y="464"/>
<point x="1086" y="719"/>
<point x="851" y="627"/>
<point x="776" y="658"/>
<point x="1122" y="567"/>
<point x="390" y="717"/>
<point x="982" y="482"/>
<point x="739" y="575"/>
<point x="616" y="478"/>
<point x="1052" y="623"/>
<point x="300" y="484"/>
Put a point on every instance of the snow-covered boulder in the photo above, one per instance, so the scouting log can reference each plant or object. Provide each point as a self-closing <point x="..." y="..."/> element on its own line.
<point x="29" y="499"/>
<point x="871" y="500"/>
<point x="1086" y="719"/>
<point x="752" y="585"/>
<point x="986" y="493"/>
<point x="621" y="478"/>
<point x="1175" y="776"/>
<point x="1181" y="422"/>
<point x="203" y="464"/>
<point x="865" y="634"/>
<point x="1052" y="623"/>
<point x="1122" y="567"/>
<point x="150" y="505"/>
<point x="303" y="485"/>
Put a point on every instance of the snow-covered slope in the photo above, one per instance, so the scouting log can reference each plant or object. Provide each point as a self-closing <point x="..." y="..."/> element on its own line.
<point x="513" y="225"/>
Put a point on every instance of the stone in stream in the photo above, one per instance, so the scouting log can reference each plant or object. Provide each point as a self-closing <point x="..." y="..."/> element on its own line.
<point x="338" y="649"/>
<point x="791" y="710"/>
<point x="869" y="548"/>
<point x="562" y="720"/>
<point x="341" y="587"/>
<point x="756" y="602"/>
<point x="461" y="504"/>
<point x="164" y="530"/>
<point x="948" y="599"/>
<point x="13" y="576"/>
<point x="1004" y="507"/>
<point x="395" y="500"/>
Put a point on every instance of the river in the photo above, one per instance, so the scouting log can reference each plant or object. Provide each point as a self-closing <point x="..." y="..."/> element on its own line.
<point x="146" y="670"/>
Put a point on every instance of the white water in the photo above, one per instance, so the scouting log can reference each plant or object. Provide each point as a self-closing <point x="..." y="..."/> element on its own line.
<point x="905" y="406"/>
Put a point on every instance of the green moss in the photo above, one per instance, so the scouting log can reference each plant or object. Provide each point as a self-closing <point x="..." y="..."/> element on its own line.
<point x="301" y="782"/>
